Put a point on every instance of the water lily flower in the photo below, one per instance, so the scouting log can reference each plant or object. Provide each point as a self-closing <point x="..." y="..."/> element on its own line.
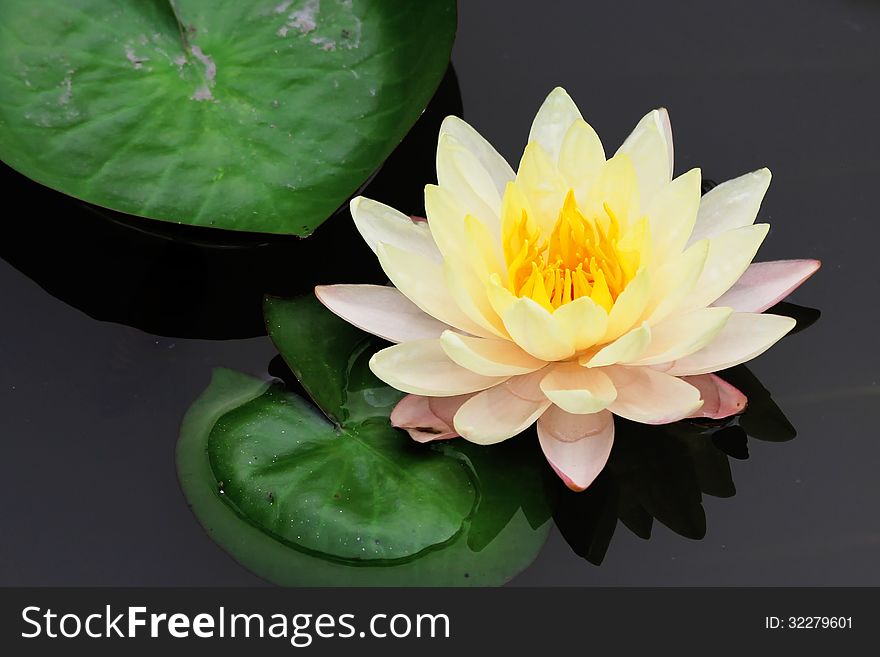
<point x="572" y="290"/>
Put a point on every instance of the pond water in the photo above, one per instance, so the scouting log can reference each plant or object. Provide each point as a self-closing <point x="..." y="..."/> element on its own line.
<point x="112" y="328"/>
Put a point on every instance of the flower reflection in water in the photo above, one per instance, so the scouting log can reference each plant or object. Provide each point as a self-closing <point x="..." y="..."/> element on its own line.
<point x="662" y="472"/>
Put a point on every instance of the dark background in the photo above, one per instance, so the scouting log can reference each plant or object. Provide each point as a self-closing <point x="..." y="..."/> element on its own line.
<point x="109" y="332"/>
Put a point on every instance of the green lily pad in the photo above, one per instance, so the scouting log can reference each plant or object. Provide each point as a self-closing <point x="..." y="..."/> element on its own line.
<point x="283" y="485"/>
<point x="347" y="485"/>
<point x="510" y="518"/>
<point x="352" y="492"/>
<point x="254" y="116"/>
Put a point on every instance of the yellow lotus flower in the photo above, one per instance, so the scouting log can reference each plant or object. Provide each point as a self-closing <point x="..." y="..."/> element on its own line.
<point x="572" y="290"/>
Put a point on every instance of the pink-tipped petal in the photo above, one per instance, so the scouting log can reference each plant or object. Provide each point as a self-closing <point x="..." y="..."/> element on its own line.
<point x="649" y="396"/>
<point x="745" y="336"/>
<point x="380" y="310"/>
<point x="416" y="218"/>
<point x="427" y="419"/>
<point x="502" y="411"/>
<point x="720" y="399"/>
<point x="576" y="446"/>
<point x="765" y="284"/>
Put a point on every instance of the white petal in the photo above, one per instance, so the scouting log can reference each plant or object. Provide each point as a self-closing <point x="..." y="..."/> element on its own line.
<point x="461" y="236"/>
<point x="682" y="335"/>
<point x="577" y="447"/>
<point x="542" y="184"/>
<point x="745" y="336"/>
<point x="471" y="185"/>
<point x="469" y="292"/>
<point x="765" y="284"/>
<point x="584" y="320"/>
<point x="488" y="357"/>
<point x="675" y="280"/>
<point x="380" y="223"/>
<point x="496" y="166"/>
<point x="468" y="262"/>
<point x="616" y="187"/>
<point x="551" y="123"/>
<point x="531" y="326"/>
<point x="651" y="397"/>
<point x="381" y="310"/>
<point x="629" y="306"/>
<point x="502" y="411"/>
<point x="423" y="368"/>
<point x="445" y="219"/>
<point x="672" y="213"/>
<point x="666" y="126"/>
<point x="647" y="148"/>
<point x="581" y="157"/>
<point x="729" y="256"/>
<point x="732" y="204"/>
<point x="625" y="349"/>
<point x="422" y="281"/>
<point x="577" y="389"/>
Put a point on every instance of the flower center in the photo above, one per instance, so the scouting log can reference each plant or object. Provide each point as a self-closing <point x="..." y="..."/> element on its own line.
<point x="583" y="256"/>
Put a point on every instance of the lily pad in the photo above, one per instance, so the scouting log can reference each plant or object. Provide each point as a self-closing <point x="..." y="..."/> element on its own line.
<point x="254" y="116"/>
<point x="356" y="491"/>
<point x="510" y="518"/>
<point x="347" y="485"/>
<point x="282" y="484"/>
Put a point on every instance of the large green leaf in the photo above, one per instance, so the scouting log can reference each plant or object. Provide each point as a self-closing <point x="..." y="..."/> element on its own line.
<point x="353" y="492"/>
<point x="501" y="536"/>
<point x="248" y="115"/>
<point x="339" y="485"/>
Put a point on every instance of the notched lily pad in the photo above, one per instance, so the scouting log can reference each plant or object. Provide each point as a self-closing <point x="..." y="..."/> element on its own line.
<point x="254" y="116"/>
<point x="344" y="483"/>
<point x="495" y="543"/>
<point x="352" y="492"/>
<point x="334" y="495"/>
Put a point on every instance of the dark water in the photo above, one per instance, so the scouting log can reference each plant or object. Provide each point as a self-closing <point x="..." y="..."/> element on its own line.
<point x="110" y="332"/>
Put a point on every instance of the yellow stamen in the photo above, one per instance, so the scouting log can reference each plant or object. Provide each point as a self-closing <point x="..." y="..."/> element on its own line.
<point x="583" y="256"/>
